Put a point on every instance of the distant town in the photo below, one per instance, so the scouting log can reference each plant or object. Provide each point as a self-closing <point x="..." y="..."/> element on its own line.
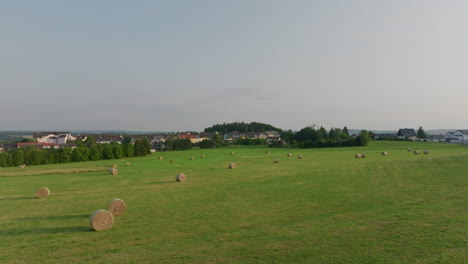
<point x="60" y="139"/>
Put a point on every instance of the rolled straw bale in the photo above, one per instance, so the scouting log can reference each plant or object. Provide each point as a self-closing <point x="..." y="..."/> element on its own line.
<point x="202" y="156"/>
<point x="289" y="154"/>
<point x="232" y="165"/>
<point x="299" y="156"/>
<point x="426" y="152"/>
<point x="160" y="158"/>
<point x="117" y="207"/>
<point x="113" y="170"/>
<point x="180" y="177"/>
<point x="101" y="220"/>
<point x="267" y="152"/>
<point x="192" y="158"/>
<point x="276" y="161"/>
<point x="43" y="192"/>
<point x="384" y="153"/>
<point x="409" y="149"/>
<point x="363" y="155"/>
<point x="22" y="166"/>
<point x="416" y="152"/>
<point x="127" y="164"/>
<point x="232" y="153"/>
<point x="357" y="155"/>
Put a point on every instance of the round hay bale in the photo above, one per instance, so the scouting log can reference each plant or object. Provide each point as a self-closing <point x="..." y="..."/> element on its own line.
<point x="116" y="207"/>
<point x="409" y="149"/>
<point x="202" y="156"/>
<point x="276" y="161"/>
<point x="127" y="163"/>
<point x="416" y="152"/>
<point x="232" y="153"/>
<point x="171" y="161"/>
<point x="22" y="166"/>
<point x="232" y="165"/>
<point x="358" y="155"/>
<point x="363" y="155"/>
<point x="113" y="170"/>
<point x="299" y="156"/>
<point x="180" y="177"/>
<point x="267" y="152"/>
<point x="426" y="152"/>
<point x="43" y="192"/>
<point x="160" y="158"/>
<point x="289" y="154"/>
<point x="101" y="220"/>
<point x="384" y="153"/>
<point x="192" y="158"/>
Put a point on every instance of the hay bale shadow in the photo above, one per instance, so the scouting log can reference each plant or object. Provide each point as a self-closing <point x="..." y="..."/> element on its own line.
<point x="38" y="231"/>
<point x="162" y="182"/>
<point x="18" y="198"/>
<point x="54" y="217"/>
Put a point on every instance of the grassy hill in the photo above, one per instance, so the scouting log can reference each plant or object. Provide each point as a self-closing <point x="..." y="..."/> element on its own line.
<point x="326" y="208"/>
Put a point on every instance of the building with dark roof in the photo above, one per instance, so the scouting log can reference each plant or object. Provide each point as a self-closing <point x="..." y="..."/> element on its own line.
<point x="406" y="133"/>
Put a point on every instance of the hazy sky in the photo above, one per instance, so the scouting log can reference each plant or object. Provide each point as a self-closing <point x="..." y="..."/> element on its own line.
<point x="185" y="65"/>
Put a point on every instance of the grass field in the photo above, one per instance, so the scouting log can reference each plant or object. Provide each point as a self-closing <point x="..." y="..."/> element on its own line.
<point x="326" y="208"/>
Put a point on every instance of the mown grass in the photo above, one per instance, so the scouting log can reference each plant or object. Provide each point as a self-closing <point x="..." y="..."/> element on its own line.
<point x="325" y="208"/>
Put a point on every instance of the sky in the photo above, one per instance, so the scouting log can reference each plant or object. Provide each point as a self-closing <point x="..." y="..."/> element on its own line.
<point x="186" y="65"/>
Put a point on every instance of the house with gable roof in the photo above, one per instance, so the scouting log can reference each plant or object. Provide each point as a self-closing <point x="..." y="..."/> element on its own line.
<point x="407" y="133"/>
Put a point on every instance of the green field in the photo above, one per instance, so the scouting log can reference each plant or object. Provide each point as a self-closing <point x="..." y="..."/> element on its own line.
<point x="326" y="208"/>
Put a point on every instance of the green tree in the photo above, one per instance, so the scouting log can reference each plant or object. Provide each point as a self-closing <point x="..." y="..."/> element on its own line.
<point x="80" y="154"/>
<point x="64" y="155"/>
<point x="142" y="147"/>
<point x="207" y="143"/>
<point x="421" y="133"/>
<point x="117" y="150"/>
<point x="322" y="133"/>
<point x="129" y="150"/>
<point x="345" y="131"/>
<point x="17" y="157"/>
<point x="333" y="134"/>
<point x="127" y="140"/>
<point x="36" y="157"/>
<point x="5" y="160"/>
<point x="287" y="136"/>
<point x="363" y="138"/>
<point x="107" y="152"/>
<point x="90" y="141"/>
<point x="51" y="155"/>
<point x="94" y="153"/>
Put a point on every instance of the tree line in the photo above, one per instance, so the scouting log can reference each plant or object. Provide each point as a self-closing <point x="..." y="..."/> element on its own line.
<point x="241" y="127"/>
<point x="84" y="151"/>
<point x="312" y="137"/>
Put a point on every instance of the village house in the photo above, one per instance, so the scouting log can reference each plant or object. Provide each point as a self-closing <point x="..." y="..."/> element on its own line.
<point x="193" y="138"/>
<point x="458" y="137"/>
<point x="108" y="139"/>
<point x="8" y="147"/>
<point x="450" y="138"/>
<point x="38" y="145"/>
<point x="273" y="136"/>
<point x="407" y="133"/>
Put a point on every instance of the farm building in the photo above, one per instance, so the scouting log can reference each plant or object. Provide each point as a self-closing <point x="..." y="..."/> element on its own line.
<point x="436" y="138"/>
<point x="459" y="136"/>
<point x="407" y="133"/>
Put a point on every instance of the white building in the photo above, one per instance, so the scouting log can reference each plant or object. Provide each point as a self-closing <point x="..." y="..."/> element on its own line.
<point x="462" y="136"/>
<point x="60" y="139"/>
